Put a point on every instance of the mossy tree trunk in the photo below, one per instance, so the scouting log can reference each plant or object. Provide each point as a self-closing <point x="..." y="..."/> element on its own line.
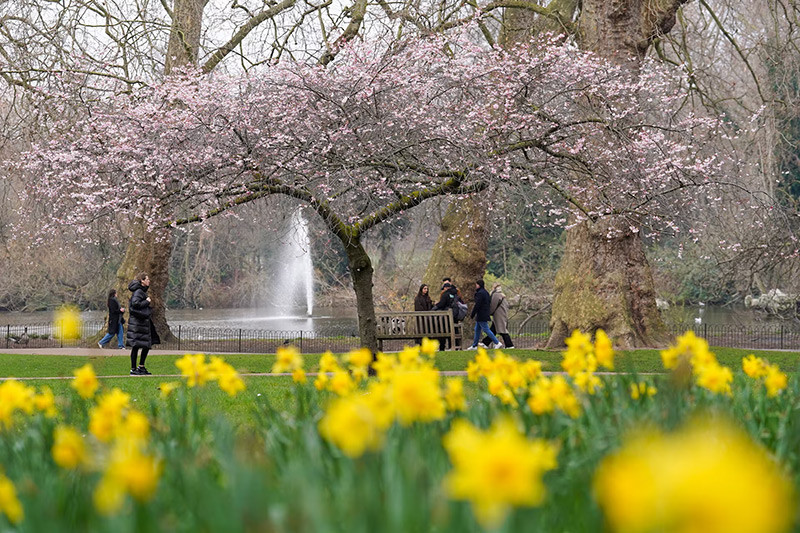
<point x="460" y="250"/>
<point x="607" y="282"/>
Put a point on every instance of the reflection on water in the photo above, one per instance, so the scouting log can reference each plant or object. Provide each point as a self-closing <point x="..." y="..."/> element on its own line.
<point x="716" y="315"/>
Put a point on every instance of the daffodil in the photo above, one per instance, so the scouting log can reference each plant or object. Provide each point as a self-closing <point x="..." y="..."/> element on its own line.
<point x="753" y="366"/>
<point x="85" y="382"/>
<point x="45" y="402"/>
<point x="603" y="349"/>
<point x="136" y="426"/>
<point x="69" y="450"/>
<point x="715" y="377"/>
<point x="195" y="369"/>
<point x="454" y="394"/>
<point x="361" y="357"/>
<point x="642" y="390"/>
<point x="539" y="399"/>
<point x="299" y="376"/>
<point x="9" y="502"/>
<point x="384" y="366"/>
<point x="708" y="476"/>
<point x="106" y="417"/>
<point x="14" y="396"/>
<point x="168" y="388"/>
<point x="351" y="425"/>
<point x="341" y="383"/>
<point x="417" y="397"/>
<point x="496" y="470"/>
<point x="67" y="321"/>
<point x="588" y="382"/>
<point x="429" y="347"/>
<point x="130" y="471"/>
<point x="328" y="362"/>
<point x="287" y="359"/>
<point x="774" y="380"/>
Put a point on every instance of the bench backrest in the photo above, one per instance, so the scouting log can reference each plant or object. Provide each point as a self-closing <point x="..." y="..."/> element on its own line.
<point x="414" y="324"/>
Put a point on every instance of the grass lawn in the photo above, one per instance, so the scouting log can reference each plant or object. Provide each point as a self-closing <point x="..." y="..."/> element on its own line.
<point x="27" y="365"/>
<point x="278" y="391"/>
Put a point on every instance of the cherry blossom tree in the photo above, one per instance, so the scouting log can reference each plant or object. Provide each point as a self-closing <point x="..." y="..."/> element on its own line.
<point x="379" y="132"/>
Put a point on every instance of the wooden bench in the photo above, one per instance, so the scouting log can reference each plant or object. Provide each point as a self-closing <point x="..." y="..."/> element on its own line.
<point x="415" y="325"/>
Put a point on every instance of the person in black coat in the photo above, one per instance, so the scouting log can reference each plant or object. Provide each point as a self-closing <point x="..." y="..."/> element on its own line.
<point x="115" y="321"/>
<point x="481" y="314"/>
<point x="447" y="298"/>
<point x="423" y="302"/>
<point x="141" y="331"/>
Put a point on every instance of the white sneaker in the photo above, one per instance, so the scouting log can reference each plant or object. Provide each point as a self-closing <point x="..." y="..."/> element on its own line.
<point x="100" y="345"/>
<point x="473" y="347"/>
<point x="510" y="347"/>
<point x="497" y="346"/>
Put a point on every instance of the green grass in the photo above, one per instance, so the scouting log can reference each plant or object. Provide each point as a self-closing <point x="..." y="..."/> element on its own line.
<point x="642" y="361"/>
<point x="278" y="391"/>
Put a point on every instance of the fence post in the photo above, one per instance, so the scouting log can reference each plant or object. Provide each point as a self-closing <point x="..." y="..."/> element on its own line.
<point x="240" y="340"/>
<point x="301" y="342"/>
<point x="61" y="334"/>
<point x="705" y="331"/>
<point x="179" y="336"/>
<point x="781" y="336"/>
<point x="8" y="333"/>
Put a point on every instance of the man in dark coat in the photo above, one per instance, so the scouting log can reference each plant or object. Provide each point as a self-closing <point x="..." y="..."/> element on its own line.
<point x="141" y="331"/>
<point x="447" y="299"/>
<point x="481" y="313"/>
<point x="115" y="321"/>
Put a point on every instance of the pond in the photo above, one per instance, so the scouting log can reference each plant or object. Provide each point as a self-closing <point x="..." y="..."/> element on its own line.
<point x="345" y="320"/>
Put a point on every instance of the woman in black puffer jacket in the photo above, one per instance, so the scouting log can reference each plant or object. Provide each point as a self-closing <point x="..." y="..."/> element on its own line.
<point x="141" y="331"/>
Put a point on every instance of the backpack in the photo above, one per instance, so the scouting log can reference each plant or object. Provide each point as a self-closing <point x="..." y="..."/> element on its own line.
<point x="459" y="310"/>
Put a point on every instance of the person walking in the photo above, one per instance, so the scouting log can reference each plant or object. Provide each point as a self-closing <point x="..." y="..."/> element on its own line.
<point x="480" y="312"/>
<point x="499" y="311"/>
<point x="423" y="302"/>
<point x="142" y="333"/>
<point x="115" y="322"/>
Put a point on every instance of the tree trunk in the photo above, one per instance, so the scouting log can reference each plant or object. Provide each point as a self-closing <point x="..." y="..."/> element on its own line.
<point x="460" y="250"/>
<point x="520" y="25"/>
<point x="150" y="252"/>
<point x="608" y="283"/>
<point x="184" y="36"/>
<point x="361" y="272"/>
<point x="605" y="283"/>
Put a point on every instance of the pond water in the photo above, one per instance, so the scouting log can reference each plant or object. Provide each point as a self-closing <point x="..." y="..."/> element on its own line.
<point x="323" y="319"/>
<point x="344" y="320"/>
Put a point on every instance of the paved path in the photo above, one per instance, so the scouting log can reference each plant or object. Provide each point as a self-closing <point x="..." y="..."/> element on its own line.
<point x="96" y="352"/>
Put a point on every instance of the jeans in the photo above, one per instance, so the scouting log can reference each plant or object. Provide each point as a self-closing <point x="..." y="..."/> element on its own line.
<point x="120" y="338"/>
<point x="484" y="327"/>
<point x="506" y="338"/>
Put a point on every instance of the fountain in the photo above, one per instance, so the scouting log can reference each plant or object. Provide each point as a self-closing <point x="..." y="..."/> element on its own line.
<point x="295" y="281"/>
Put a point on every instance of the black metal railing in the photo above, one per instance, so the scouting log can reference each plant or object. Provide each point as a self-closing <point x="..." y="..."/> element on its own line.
<point x="239" y="340"/>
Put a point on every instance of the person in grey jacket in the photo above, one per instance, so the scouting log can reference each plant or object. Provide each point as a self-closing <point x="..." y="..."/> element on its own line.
<point x="499" y="311"/>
